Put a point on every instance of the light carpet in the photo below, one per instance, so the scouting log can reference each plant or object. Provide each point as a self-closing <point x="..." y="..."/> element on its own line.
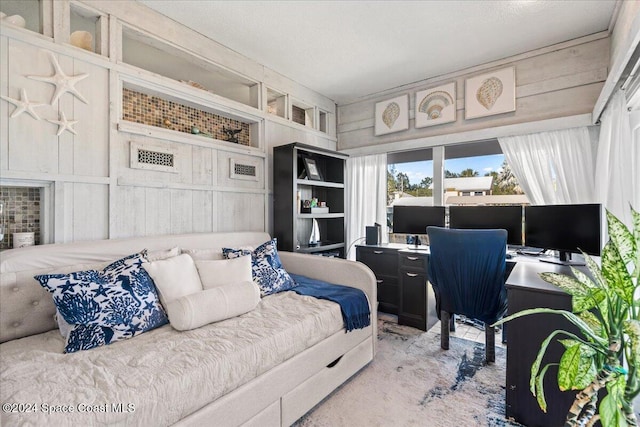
<point x="412" y="382"/>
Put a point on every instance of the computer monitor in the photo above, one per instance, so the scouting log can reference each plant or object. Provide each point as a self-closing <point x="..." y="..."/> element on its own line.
<point x="414" y="220"/>
<point x="564" y="228"/>
<point x="506" y="217"/>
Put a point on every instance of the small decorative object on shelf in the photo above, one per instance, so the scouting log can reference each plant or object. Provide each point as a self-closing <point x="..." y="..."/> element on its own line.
<point x="82" y="39"/>
<point x="232" y="134"/>
<point x="314" y="206"/>
<point x="312" y="169"/>
<point x="196" y="131"/>
<point x="16" y="20"/>
<point x="314" y="238"/>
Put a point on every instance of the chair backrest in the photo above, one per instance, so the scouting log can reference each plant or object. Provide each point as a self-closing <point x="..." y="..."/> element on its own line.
<point x="467" y="271"/>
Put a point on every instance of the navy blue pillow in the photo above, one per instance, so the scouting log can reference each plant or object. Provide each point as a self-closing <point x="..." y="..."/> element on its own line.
<point x="268" y="272"/>
<point x="105" y="306"/>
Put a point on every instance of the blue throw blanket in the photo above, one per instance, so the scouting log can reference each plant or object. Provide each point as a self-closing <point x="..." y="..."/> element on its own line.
<point x="353" y="302"/>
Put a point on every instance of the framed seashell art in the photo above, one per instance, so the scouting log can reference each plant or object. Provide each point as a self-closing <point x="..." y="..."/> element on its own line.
<point x="392" y="115"/>
<point x="491" y="93"/>
<point x="436" y="106"/>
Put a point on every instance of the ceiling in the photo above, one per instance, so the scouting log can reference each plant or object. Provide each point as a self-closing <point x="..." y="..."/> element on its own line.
<point x="346" y="50"/>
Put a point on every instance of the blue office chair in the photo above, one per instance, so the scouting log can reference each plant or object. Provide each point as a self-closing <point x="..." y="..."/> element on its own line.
<point x="467" y="271"/>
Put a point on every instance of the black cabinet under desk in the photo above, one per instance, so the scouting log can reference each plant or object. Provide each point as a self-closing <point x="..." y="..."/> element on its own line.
<point x="383" y="261"/>
<point x="403" y="288"/>
<point x="416" y="299"/>
<point x="525" y="289"/>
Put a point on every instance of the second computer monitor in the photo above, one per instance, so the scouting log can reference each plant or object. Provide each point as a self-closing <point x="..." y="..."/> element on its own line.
<point x="506" y="217"/>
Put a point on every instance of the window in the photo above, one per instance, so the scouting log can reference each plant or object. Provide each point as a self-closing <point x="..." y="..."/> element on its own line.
<point x="479" y="170"/>
<point x="474" y="174"/>
<point x="409" y="182"/>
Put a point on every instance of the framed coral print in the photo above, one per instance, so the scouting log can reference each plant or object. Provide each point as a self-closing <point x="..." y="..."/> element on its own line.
<point x="392" y="115"/>
<point x="491" y="93"/>
<point x="436" y="106"/>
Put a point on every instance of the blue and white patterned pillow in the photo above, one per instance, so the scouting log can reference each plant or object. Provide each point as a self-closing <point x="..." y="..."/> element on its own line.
<point x="105" y="306"/>
<point x="268" y="272"/>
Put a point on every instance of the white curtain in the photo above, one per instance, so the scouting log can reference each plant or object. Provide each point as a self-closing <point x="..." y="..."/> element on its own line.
<point x="617" y="184"/>
<point x="555" y="167"/>
<point x="366" y="198"/>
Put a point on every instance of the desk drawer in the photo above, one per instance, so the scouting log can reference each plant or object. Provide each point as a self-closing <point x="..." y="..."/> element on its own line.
<point x="416" y="261"/>
<point x="382" y="262"/>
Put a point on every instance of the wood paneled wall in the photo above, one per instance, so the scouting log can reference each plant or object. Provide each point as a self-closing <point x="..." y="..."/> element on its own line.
<point x="92" y="191"/>
<point x="554" y="82"/>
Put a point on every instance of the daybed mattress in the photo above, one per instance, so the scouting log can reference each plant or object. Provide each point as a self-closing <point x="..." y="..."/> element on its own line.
<point x="161" y="376"/>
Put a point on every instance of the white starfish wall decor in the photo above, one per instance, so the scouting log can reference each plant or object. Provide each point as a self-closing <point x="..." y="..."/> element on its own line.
<point x="62" y="82"/>
<point x="23" y="105"/>
<point x="64" y="124"/>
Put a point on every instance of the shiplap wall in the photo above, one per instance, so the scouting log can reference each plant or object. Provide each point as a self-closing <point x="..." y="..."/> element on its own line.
<point x="93" y="192"/>
<point x="554" y="82"/>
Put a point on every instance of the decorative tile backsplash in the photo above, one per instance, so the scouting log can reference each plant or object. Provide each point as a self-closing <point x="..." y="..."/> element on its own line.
<point x="150" y="110"/>
<point x="21" y="212"/>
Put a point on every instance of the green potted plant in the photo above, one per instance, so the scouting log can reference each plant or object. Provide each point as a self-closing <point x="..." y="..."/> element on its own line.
<point x="606" y="310"/>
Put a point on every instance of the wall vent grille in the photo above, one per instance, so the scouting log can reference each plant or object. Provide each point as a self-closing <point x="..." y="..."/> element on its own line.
<point x="243" y="169"/>
<point x="156" y="157"/>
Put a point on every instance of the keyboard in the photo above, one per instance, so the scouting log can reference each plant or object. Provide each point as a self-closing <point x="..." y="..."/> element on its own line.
<point x="528" y="250"/>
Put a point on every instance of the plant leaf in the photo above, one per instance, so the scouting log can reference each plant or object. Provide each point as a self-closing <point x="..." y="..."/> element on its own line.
<point x="577" y="368"/>
<point x="539" y="388"/>
<point x="610" y="407"/>
<point x="586" y="350"/>
<point x="616" y="274"/>
<point x="584" y="297"/>
<point x="568" y="369"/>
<point x="632" y="329"/>
<point x="609" y="412"/>
<point x="635" y="218"/>
<point x="594" y="268"/>
<point x="594" y="323"/>
<point x="568" y="343"/>
<point x="622" y="238"/>
<point x="596" y="291"/>
<point x="584" y="279"/>
<point x="535" y="366"/>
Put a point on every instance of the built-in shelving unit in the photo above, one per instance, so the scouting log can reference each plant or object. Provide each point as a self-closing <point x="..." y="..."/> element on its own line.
<point x="157" y="130"/>
<point x="163" y="106"/>
<point x="140" y="51"/>
<point x="292" y="187"/>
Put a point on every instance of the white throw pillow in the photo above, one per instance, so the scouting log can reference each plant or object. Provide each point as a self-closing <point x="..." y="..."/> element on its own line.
<point x="174" y="277"/>
<point x="212" y="305"/>
<point x="162" y="254"/>
<point x="216" y="273"/>
<point x="204" y="254"/>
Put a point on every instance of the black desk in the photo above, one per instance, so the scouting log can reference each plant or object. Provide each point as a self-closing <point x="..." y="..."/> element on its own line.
<point x="525" y="289"/>
<point x="401" y="278"/>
